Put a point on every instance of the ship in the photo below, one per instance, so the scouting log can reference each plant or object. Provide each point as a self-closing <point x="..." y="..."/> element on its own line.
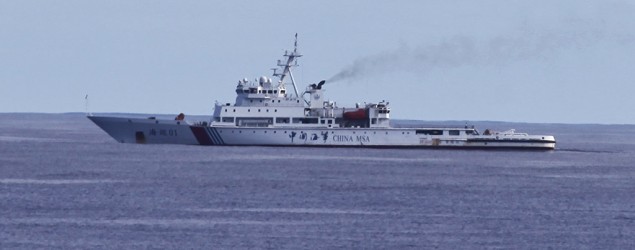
<point x="266" y="113"/>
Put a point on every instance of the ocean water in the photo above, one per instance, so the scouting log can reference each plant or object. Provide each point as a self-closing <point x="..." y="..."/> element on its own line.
<point x="65" y="184"/>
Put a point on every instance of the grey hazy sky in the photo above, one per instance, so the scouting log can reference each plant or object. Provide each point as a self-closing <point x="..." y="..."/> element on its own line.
<point x="529" y="61"/>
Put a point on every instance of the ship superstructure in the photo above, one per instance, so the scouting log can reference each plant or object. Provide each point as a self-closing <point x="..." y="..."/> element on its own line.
<point x="263" y="103"/>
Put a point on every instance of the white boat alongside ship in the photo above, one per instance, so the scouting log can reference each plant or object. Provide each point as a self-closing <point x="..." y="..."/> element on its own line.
<point x="266" y="114"/>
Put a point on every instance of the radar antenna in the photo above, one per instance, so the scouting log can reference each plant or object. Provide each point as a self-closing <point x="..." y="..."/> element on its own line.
<point x="286" y="67"/>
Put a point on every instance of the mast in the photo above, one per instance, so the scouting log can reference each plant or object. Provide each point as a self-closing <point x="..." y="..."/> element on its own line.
<point x="286" y="67"/>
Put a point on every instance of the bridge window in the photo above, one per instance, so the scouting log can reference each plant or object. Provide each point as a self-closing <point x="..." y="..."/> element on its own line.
<point x="309" y="120"/>
<point x="455" y="132"/>
<point x="429" y="132"/>
<point x="471" y="132"/>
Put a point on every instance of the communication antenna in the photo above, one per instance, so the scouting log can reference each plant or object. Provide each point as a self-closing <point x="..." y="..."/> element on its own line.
<point x="286" y="66"/>
<point x="86" y="105"/>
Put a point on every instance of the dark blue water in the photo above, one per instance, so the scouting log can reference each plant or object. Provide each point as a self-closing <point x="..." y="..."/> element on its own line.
<point x="65" y="184"/>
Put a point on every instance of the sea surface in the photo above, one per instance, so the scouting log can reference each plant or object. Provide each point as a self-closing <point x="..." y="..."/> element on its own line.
<point x="65" y="184"/>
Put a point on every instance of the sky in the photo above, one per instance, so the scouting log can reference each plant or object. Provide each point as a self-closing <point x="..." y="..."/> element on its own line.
<point x="542" y="61"/>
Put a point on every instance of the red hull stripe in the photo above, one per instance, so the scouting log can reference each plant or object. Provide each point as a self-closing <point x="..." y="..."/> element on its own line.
<point x="201" y="135"/>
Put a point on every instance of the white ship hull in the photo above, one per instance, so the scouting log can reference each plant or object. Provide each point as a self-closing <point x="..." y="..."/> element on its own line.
<point x="152" y="131"/>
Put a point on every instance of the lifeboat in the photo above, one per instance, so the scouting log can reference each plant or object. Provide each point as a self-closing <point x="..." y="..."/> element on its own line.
<point x="359" y="114"/>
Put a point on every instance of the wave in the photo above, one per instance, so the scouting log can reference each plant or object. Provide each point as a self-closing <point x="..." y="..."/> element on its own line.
<point x="585" y="150"/>
<point x="289" y="210"/>
<point x="5" y="138"/>
<point x="57" y="181"/>
<point x="179" y="222"/>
